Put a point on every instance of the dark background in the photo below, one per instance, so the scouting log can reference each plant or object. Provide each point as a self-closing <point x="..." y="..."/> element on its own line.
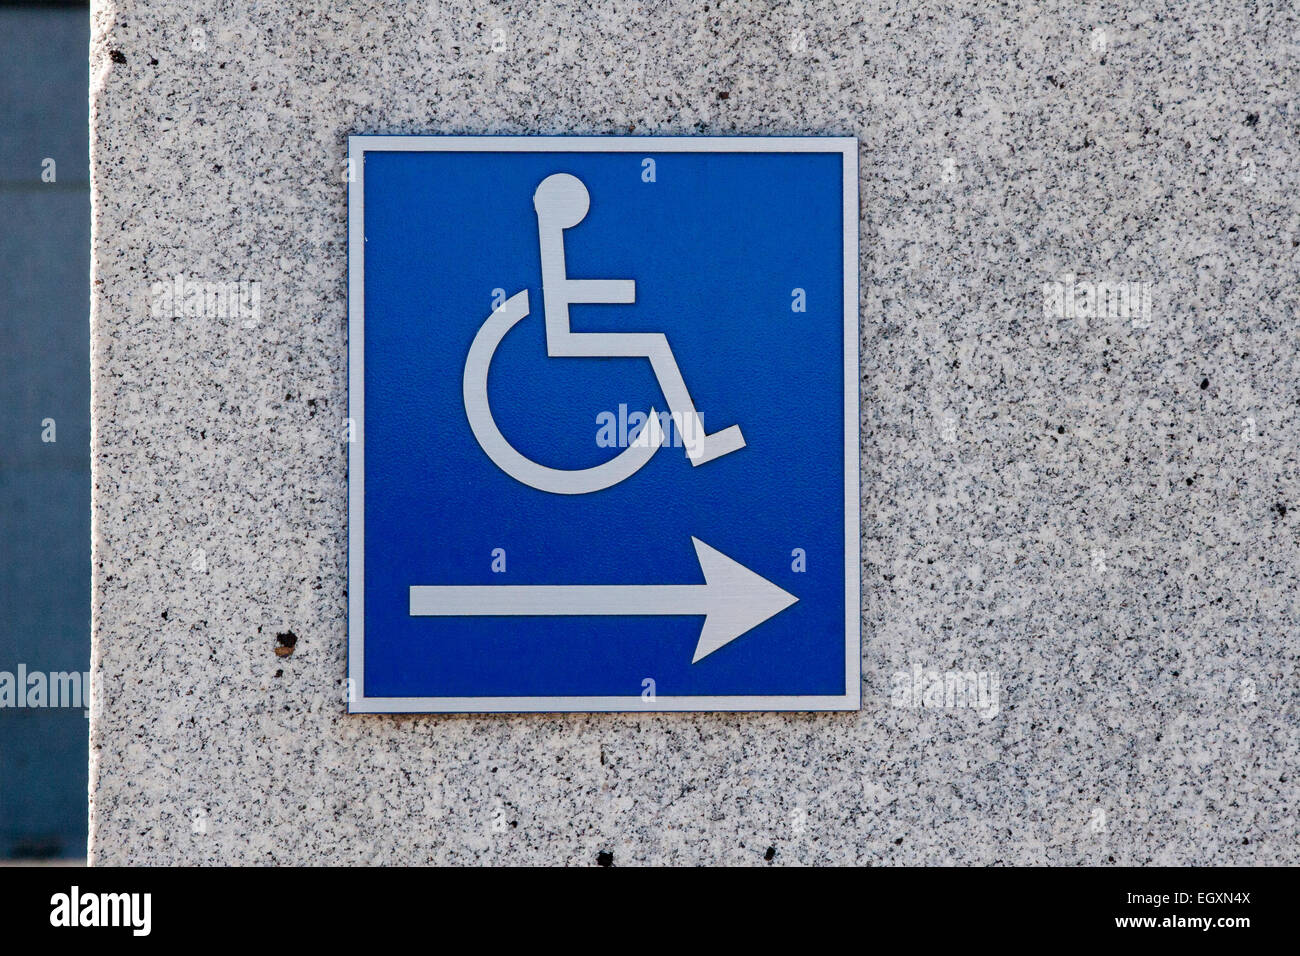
<point x="44" y="373"/>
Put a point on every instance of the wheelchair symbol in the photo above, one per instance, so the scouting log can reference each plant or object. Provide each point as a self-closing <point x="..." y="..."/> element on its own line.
<point x="562" y="202"/>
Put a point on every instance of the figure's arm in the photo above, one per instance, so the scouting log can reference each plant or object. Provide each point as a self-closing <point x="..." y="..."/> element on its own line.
<point x="600" y="291"/>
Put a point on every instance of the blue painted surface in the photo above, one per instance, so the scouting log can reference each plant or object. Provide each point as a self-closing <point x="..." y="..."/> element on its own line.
<point x="716" y="246"/>
<point x="44" y="373"/>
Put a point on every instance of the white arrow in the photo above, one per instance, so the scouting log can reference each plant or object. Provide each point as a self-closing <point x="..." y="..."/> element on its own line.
<point x="733" y="600"/>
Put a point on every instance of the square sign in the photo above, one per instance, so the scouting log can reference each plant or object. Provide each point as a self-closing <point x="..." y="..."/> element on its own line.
<point x="604" y="394"/>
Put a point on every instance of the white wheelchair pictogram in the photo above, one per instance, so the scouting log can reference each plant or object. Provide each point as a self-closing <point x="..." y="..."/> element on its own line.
<point x="561" y="202"/>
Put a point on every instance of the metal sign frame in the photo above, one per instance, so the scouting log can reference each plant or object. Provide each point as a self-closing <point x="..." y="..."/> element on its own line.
<point x="358" y="146"/>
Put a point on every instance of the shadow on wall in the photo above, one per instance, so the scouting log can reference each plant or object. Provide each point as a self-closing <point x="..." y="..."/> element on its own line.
<point x="44" y="430"/>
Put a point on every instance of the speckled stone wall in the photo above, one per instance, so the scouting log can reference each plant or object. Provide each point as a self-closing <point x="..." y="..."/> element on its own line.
<point x="1095" y="507"/>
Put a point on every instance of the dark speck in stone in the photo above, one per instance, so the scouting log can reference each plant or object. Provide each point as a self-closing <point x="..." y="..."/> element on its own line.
<point x="898" y="842"/>
<point x="724" y="95"/>
<point x="285" y="641"/>
<point x="1280" y="509"/>
<point x="770" y="855"/>
<point x="1205" y="383"/>
<point x="1252" y="119"/>
<point x="604" y="858"/>
<point x="279" y="672"/>
<point x="1060" y="429"/>
<point x="117" y="56"/>
<point x="1189" y="482"/>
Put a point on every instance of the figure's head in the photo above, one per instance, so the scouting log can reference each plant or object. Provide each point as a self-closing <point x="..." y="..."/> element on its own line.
<point x="561" y="200"/>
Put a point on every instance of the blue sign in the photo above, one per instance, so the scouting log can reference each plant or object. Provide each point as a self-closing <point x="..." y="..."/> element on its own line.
<point x="604" y="401"/>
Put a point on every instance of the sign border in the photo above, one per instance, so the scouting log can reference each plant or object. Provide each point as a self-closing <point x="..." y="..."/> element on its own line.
<point x="358" y="702"/>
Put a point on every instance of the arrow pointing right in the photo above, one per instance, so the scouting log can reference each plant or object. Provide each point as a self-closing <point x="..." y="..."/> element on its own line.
<point x="733" y="600"/>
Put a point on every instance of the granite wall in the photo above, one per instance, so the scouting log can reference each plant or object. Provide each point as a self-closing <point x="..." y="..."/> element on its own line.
<point x="1092" y="503"/>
